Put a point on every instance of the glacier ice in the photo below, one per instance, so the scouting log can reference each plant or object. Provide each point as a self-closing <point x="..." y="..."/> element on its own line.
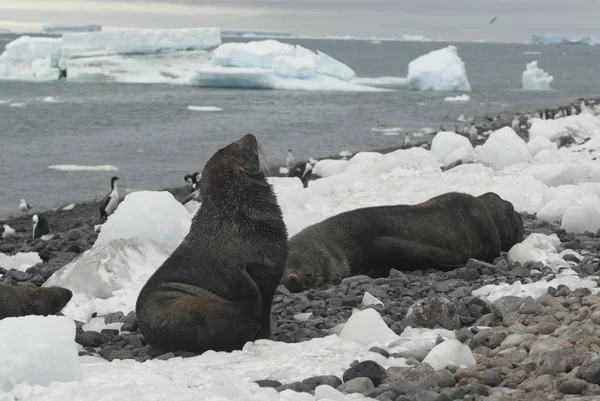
<point x="37" y="350"/>
<point x="439" y="70"/>
<point x="153" y="214"/>
<point x="535" y="79"/>
<point x="109" y="277"/>
<point x="565" y="40"/>
<point x="62" y="29"/>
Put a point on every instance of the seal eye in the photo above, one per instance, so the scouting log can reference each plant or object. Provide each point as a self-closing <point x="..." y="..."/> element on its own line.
<point x="308" y="274"/>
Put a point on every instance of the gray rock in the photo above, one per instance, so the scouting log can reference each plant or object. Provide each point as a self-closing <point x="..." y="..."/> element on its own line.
<point x="530" y="306"/>
<point x="357" y="385"/>
<point x="505" y="305"/>
<point x="432" y="312"/>
<point x="516" y="340"/>
<point x="425" y="395"/>
<point x="572" y="386"/>
<point x="298" y="387"/>
<point x="536" y="396"/>
<point x="491" y="338"/>
<point x="116" y="317"/>
<point x="548" y="344"/>
<point x="402" y="387"/>
<point x="166" y="356"/>
<point x="492" y="377"/>
<point x="314" y="382"/>
<point x="268" y="383"/>
<point x="91" y="338"/>
<point x="120" y="354"/>
<point x="369" y="369"/>
<point x="590" y="372"/>
<point x="75" y="234"/>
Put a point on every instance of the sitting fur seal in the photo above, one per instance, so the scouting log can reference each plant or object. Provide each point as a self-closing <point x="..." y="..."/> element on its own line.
<point x="215" y="291"/>
<point x="443" y="232"/>
<point x="21" y="301"/>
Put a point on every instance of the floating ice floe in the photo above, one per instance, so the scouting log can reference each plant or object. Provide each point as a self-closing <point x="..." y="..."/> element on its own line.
<point x="457" y="99"/>
<point x="535" y="79"/>
<point x="75" y="167"/>
<point x="439" y="70"/>
<point x="380" y="81"/>
<point x="204" y="108"/>
<point x="31" y="58"/>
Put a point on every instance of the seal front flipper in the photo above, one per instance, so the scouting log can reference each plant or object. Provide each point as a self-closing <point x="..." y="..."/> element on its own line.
<point x="412" y="255"/>
<point x="267" y="279"/>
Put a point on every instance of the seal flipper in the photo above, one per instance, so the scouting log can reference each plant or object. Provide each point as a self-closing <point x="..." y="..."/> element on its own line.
<point x="267" y="279"/>
<point x="413" y="255"/>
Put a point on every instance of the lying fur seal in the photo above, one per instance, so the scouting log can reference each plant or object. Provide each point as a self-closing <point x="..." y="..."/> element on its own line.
<point x="215" y="291"/>
<point x="21" y="301"/>
<point x="508" y="222"/>
<point x="442" y="233"/>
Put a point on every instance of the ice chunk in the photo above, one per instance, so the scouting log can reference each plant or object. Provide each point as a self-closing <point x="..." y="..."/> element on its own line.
<point x="503" y="148"/>
<point x="327" y="167"/>
<point x="31" y="58"/>
<point x="75" y="167"/>
<point x="539" y="143"/>
<point x="460" y="98"/>
<point x="369" y="299"/>
<point x="109" y="277"/>
<point x="579" y="127"/>
<point x="450" y="352"/>
<point x="154" y="214"/>
<point x="378" y="332"/>
<point x="138" y="41"/>
<point x="538" y="248"/>
<point x="204" y="108"/>
<point x="439" y="70"/>
<point x="37" y="350"/>
<point x="327" y="393"/>
<point x="449" y="147"/>
<point x="535" y="79"/>
<point x="583" y="216"/>
<point x="20" y="261"/>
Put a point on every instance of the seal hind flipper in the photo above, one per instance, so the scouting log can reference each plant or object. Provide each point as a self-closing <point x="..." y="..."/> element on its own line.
<point x="413" y="255"/>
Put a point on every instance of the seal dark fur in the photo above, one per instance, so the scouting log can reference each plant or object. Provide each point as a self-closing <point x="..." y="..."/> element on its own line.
<point x="509" y="223"/>
<point x="443" y="232"/>
<point x="21" y="301"/>
<point x="215" y="291"/>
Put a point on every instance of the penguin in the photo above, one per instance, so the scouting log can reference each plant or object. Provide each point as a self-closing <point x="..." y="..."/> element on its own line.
<point x="302" y="170"/>
<point x="406" y="143"/>
<point x="473" y="133"/>
<point x="289" y="162"/>
<point x="573" y="110"/>
<point x="192" y="179"/>
<point x="516" y="124"/>
<point x="110" y="201"/>
<point x="40" y="226"/>
<point x="7" y="231"/>
<point x="24" y="206"/>
<point x="558" y="114"/>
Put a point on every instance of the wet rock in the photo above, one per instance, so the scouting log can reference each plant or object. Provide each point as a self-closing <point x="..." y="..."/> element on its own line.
<point x="432" y="312"/>
<point x="369" y="369"/>
<point x="298" y="387"/>
<point x="268" y="383"/>
<point x="572" y="386"/>
<point x="590" y="372"/>
<point x="314" y="382"/>
<point x="357" y="385"/>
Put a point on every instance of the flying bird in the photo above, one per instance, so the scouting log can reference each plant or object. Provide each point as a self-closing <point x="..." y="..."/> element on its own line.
<point x="493" y="19"/>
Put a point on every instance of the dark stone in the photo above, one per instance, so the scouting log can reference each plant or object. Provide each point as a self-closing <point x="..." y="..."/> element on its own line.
<point x="298" y="387"/>
<point x="116" y="317"/>
<point x="314" y="382"/>
<point x="91" y="339"/>
<point x="380" y="351"/>
<point x="110" y="332"/>
<point x="165" y="357"/>
<point x="432" y="312"/>
<point x="573" y="386"/>
<point x="75" y="234"/>
<point x="590" y="372"/>
<point x="369" y="369"/>
<point x="18" y="275"/>
<point x="268" y="383"/>
<point x="492" y="377"/>
<point x="120" y="354"/>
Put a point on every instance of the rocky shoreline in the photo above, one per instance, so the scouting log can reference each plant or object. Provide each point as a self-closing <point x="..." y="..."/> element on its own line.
<point x="524" y="348"/>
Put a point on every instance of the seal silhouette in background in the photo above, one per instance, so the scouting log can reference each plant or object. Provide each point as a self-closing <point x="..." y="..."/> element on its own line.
<point x="216" y="290"/>
<point x="21" y="301"/>
<point x="443" y="232"/>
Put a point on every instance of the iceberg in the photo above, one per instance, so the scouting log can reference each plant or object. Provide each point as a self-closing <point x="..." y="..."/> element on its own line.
<point x="439" y="70"/>
<point x="62" y="29"/>
<point x="31" y="58"/>
<point x="270" y="64"/>
<point x="565" y="40"/>
<point x="536" y="79"/>
<point x="138" y="41"/>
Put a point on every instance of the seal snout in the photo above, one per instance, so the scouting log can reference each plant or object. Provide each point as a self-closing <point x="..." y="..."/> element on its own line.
<point x="248" y="140"/>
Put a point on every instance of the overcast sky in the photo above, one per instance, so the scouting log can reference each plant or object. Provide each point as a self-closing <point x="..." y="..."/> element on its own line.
<point x="436" y="19"/>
